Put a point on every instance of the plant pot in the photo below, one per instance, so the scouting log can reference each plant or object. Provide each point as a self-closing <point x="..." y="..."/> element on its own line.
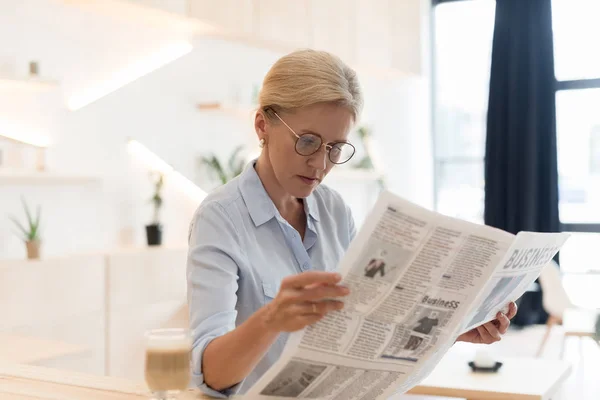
<point x="598" y="327"/>
<point x="33" y="249"/>
<point x="154" y="234"/>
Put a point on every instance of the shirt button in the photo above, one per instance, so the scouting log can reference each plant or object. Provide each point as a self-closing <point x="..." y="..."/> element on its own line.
<point x="305" y="266"/>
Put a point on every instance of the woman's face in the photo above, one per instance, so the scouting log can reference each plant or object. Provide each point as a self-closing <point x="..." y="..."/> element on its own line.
<point x="299" y="175"/>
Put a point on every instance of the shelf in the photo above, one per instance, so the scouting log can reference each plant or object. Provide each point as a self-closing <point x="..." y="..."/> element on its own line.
<point x="239" y="112"/>
<point x="30" y="84"/>
<point x="50" y="178"/>
<point x="354" y="174"/>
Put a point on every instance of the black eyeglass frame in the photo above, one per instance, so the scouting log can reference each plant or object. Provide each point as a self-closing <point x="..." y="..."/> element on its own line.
<point x="328" y="146"/>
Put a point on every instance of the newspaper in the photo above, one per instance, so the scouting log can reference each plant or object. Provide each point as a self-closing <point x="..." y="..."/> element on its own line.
<point x="417" y="280"/>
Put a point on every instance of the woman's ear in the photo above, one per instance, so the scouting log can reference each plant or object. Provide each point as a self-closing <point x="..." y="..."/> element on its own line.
<point x="260" y="125"/>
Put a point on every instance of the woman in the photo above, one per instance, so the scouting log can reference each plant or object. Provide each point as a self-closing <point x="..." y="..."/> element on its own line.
<point x="264" y="248"/>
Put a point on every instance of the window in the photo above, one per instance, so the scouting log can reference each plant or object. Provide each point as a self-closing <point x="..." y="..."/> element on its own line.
<point x="462" y="53"/>
<point x="577" y="68"/>
<point x="463" y="33"/>
<point x="576" y="33"/>
<point x="578" y="141"/>
<point x="577" y="104"/>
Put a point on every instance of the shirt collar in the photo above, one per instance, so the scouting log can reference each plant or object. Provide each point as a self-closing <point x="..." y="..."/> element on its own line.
<point x="259" y="204"/>
<point x="310" y="207"/>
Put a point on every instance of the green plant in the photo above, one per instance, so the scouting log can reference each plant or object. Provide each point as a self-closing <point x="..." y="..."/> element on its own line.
<point x="30" y="232"/>
<point x="366" y="162"/>
<point x="363" y="133"/>
<point x="156" y="198"/>
<point x="224" y="173"/>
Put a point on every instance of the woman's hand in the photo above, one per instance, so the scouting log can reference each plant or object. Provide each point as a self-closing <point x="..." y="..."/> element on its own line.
<point x="304" y="299"/>
<point x="492" y="331"/>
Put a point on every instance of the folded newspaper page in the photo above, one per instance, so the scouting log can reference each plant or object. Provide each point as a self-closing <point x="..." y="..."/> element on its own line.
<point x="417" y="280"/>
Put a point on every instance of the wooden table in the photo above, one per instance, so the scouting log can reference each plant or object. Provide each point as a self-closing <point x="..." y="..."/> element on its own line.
<point x="16" y="349"/>
<point x="24" y="382"/>
<point x="518" y="379"/>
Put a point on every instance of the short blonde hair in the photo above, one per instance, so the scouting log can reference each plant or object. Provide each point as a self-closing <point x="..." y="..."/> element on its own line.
<point x="307" y="77"/>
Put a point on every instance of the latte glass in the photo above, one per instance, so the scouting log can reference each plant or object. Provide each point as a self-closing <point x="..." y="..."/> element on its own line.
<point x="167" y="364"/>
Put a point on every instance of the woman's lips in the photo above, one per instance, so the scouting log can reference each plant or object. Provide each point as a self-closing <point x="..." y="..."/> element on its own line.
<point x="308" y="180"/>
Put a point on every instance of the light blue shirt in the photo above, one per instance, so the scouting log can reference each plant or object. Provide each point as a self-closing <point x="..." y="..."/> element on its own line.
<point x="240" y="249"/>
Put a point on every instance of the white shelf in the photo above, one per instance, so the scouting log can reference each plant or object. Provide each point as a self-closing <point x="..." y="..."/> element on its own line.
<point x="353" y="174"/>
<point x="31" y="84"/>
<point x="49" y="178"/>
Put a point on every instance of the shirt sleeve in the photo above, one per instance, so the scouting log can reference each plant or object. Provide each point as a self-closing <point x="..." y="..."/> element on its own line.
<point x="212" y="282"/>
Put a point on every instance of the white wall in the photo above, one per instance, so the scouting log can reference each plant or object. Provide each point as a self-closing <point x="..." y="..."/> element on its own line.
<point x="63" y="301"/>
<point x="93" y="309"/>
<point x="79" y="48"/>
<point x="400" y="116"/>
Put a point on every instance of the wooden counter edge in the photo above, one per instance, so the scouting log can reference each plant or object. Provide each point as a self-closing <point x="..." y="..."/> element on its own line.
<point x="71" y="378"/>
<point x="85" y="381"/>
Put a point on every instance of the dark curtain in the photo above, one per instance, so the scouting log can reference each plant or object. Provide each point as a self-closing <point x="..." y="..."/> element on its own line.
<point x="521" y="177"/>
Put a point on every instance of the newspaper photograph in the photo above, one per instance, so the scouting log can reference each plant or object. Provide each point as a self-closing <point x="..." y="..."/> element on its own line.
<point x="417" y="280"/>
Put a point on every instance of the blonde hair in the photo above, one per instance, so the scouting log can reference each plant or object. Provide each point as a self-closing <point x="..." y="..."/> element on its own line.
<point x="307" y="77"/>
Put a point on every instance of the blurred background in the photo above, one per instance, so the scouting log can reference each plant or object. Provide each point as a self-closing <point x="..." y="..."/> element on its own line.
<point x="117" y="116"/>
<point x="181" y="79"/>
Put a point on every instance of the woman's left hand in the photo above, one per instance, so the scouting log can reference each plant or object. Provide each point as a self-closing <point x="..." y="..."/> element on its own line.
<point x="492" y="331"/>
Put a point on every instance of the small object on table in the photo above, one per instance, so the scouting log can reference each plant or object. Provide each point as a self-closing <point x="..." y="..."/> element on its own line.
<point x="484" y="362"/>
<point x="494" y="368"/>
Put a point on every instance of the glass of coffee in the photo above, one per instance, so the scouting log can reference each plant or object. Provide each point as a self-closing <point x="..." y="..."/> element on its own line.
<point x="167" y="367"/>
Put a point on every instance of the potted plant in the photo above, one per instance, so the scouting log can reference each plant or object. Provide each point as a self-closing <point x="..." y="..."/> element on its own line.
<point x="224" y="173"/>
<point x="154" y="230"/>
<point x="364" y="134"/>
<point x="30" y="233"/>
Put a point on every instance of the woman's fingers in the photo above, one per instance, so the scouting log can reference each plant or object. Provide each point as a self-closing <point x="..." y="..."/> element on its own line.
<point x="323" y="307"/>
<point x="321" y="293"/>
<point x="512" y="310"/>
<point x="503" y="323"/>
<point x="304" y="299"/>
<point x="484" y="334"/>
<point x="317" y="308"/>
<point x="304" y="279"/>
<point x="493" y="332"/>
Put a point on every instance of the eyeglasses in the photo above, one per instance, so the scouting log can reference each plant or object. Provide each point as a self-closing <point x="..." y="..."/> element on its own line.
<point x="308" y="144"/>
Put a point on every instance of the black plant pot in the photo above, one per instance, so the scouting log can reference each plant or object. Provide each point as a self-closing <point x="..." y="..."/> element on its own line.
<point x="154" y="234"/>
